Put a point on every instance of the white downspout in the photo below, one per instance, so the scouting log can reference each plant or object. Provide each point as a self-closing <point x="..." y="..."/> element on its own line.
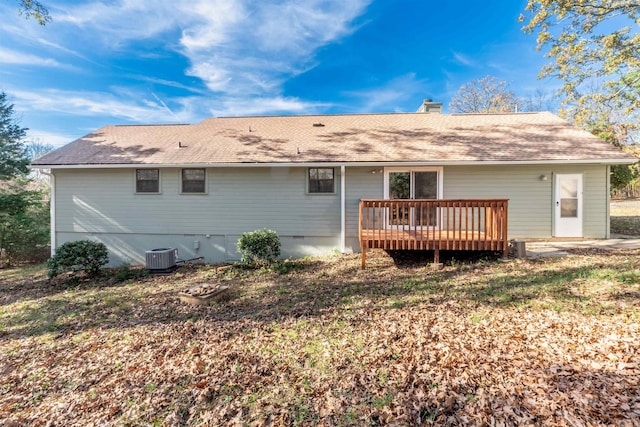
<point x="343" y="214"/>
<point x="52" y="208"/>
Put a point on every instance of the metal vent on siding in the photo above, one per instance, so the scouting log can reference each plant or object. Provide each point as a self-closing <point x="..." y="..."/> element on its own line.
<point x="161" y="259"/>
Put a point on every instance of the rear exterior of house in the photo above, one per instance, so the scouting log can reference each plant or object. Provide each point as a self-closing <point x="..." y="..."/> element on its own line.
<point x="103" y="205"/>
<point x="134" y="203"/>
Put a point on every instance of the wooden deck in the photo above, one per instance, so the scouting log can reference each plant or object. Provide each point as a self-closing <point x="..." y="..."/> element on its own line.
<point x="470" y="225"/>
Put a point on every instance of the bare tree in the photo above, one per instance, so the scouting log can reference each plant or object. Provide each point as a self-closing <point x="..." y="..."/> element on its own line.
<point x="484" y="95"/>
<point x="539" y="100"/>
<point x="36" y="149"/>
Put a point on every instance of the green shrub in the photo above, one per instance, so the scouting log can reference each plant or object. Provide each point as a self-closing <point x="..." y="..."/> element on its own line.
<point x="125" y="272"/>
<point x="81" y="255"/>
<point x="259" y="247"/>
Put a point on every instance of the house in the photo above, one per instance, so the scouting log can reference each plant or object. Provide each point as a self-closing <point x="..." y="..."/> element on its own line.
<point x="198" y="187"/>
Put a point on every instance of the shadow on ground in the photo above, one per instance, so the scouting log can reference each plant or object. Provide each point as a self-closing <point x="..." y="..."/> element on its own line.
<point x="315" y="288"/>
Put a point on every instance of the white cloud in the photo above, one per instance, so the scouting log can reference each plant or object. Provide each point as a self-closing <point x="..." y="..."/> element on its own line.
<point x="254" y="53"/>
<point x="299" y="27"/>
<point x="57" y="46"/>
<point x="120" y="21"/>
<point x="213" y="23"/>
<point x="392" y="93"/>
<point x="237" y="47"/>
<point x="463" y="59"/>
<point x="242" y="52"/>
<point x="261" y="106"/>
<point x="120" y="105"/>
<point x="168" y="83"/>
<point x="134" y="108"/>
<point x="49" y="138"/>
<point x="8" y="56"/>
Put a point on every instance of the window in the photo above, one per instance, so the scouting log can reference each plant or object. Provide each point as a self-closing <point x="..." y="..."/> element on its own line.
<point x="147" y="180"/>
<point x="321" y="180"/>
<point x="193" y="181"/>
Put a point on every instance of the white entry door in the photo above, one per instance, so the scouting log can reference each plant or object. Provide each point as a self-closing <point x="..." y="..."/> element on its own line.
<point x="568" y="206"/>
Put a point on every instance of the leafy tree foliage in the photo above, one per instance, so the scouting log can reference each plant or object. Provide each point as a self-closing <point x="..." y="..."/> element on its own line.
<point x="484" y="95"/>
<point x="34" y="9"/>
<point x="597" y="116"/>
<point x="594" y="47"/>
<point x="24" y="207"/>
<point x="13" y="154"/>
<point x="583" y="46"/>
<point x="24" y="222"/>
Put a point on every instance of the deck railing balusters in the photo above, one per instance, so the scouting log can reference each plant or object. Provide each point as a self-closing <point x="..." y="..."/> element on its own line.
<point x="473" y="224"/>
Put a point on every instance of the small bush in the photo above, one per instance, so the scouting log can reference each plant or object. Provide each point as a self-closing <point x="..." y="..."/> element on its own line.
<point x="125" y="272"/>
<point x="259" y="247"/>
<point x="81" y="255"/>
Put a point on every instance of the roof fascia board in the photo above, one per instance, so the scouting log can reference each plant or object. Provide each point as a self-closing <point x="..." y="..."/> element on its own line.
<point x="336" y="164"/>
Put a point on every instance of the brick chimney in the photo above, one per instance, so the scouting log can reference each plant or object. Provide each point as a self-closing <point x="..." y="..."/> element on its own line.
<point x="428" y="106"/>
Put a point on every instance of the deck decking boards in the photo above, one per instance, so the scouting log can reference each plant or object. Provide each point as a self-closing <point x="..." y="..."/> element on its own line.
<point x="400" y="224"/>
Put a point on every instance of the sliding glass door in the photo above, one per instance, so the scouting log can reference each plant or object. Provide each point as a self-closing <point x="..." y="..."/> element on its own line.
<point x="413" y="184"/>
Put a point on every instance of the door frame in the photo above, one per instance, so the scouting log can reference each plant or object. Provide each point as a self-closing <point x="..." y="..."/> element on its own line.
<point x="560" y="228"/>
<point x="438" y="169"/>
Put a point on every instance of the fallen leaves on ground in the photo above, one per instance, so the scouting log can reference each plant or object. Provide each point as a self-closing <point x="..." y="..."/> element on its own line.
<point x="321" y="342"/>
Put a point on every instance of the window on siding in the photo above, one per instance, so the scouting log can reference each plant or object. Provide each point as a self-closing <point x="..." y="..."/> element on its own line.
<point x="147" y="180"/>
<point x="193" y="181"/>
<point x="321" y="180"/>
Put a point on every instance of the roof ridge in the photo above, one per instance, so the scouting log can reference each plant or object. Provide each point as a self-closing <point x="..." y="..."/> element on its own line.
<point x="154" y="124"/>
<point x="504" y="113"/>
<point x="399" y="113"/>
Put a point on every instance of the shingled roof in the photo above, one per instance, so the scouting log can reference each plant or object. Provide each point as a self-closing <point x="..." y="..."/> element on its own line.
<point x="354" y="138"/>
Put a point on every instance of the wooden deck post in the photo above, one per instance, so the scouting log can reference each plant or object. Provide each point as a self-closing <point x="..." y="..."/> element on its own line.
<point x="364" y="257"/>
<point x="505" y="229"/>
<point x="363" y="242"/>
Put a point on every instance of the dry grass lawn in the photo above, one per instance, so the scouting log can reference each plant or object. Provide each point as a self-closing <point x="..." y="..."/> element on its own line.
<point x="625" y="217"/>
<point x="321" y="342"/>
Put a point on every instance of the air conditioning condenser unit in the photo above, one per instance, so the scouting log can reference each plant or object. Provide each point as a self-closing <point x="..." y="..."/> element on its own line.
<point x="161" y="260"/>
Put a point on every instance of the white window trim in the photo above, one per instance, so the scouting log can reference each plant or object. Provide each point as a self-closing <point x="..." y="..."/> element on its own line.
<point x="438" y="169"/>
<point x="306" y="181"/>
<point x="146" y="193"/>
<point x="206" y="183"/>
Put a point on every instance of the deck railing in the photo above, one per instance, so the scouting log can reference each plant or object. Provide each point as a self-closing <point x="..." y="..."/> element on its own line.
<point x="469" y="224"/>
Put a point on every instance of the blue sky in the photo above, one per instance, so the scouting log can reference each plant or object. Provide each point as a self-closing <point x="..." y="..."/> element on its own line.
<point x="180" y="61"/>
